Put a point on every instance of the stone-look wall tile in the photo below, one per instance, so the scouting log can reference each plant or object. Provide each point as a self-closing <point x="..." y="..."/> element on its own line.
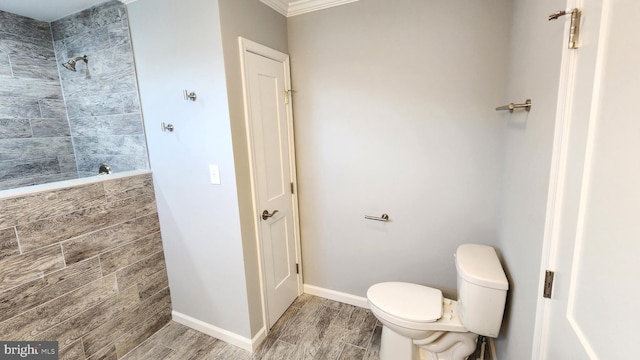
<point x="130" y="253"/>
<point x="19" y="108"/>
<point x="88" y="42"/>
<point x="34" y="148"/>
<point x="35" y="68"/>
<point x="19" y="269"/>
<point x="90" y="163"/>
<point x="125" y="124"/>
<point x="94" y="105"/>
<point x="16" y="24"/>
<point x="24" y="45"/>
<point x="8" y="245"/>
<point x="131" y="186"/>
<point x="34" y="207"/>
<point x="71" y="25"/>
<point x="68" y="332"/>
<point x="67" y="164"/>
<point x="110" y="13"/>
<point x="131" y="103"/>
<point x="52" y="108"/>
<point x="119" y="35"/>
<point x="30" y="89"/>
<point x="97" y="242"/>
<point x="118" y="145"/>
<point x="28" y="181"/>
<point x="14" y="169"/>
<point x="15" y="128"/>
<point x="5" y="66"/>
<point x="31" y="324"/>
<point x="51" y="286"/>
<point x="59" y="228"/>
<point x="50" y="127"/>
<point x="110" y="331"/>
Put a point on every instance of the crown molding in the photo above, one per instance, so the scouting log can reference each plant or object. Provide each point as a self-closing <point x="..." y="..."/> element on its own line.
<point x="300" y="7"/>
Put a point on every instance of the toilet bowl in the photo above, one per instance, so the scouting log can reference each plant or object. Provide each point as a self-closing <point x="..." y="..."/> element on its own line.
<point x="418" y="323"/>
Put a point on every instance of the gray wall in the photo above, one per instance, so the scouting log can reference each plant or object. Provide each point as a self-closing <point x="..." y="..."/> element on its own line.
<point x="178" y="48"/>
<point x="257" y="22"/>
<point x="535" y="58"/>
<point x="101" y="96"/>
<point x="394" y="112"/>
<point x="83" y="266"/>
<point x="35" y="142"/>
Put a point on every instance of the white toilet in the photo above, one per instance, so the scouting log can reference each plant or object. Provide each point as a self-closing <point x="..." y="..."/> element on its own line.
<point x="419" y="324"/>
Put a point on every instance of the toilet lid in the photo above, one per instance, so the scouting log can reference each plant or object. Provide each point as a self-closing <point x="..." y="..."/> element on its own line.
<point x="410" y="302"/>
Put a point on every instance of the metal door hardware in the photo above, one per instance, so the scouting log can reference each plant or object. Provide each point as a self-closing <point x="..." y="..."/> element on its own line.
<point x="168" y="127"/>
<point x="548" y="284"/>
<point x="266" y="215"/>
<point x="190" y="95"/>
<point x="512" y="106"/>
<point x="574" y="30"/>
<point x="383" y="218"/>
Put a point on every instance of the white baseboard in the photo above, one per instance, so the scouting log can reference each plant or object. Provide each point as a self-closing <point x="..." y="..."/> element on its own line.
<point x="219" y="333"/>
<point x="336" y="295"/>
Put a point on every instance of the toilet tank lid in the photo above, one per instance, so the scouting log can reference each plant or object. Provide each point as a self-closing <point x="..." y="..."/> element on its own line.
<point x="479" y="264"/>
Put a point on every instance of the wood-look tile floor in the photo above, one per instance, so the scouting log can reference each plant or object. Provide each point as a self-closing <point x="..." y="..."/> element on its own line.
<point x="312" y="328"/>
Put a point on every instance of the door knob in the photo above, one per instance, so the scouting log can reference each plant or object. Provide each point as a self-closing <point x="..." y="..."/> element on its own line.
<point x="266" y="215"/>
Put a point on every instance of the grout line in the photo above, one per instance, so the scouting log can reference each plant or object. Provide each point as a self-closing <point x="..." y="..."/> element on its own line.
<point x="15" y="230"/>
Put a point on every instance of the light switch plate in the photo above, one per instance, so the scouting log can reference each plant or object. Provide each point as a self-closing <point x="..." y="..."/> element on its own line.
<point x="214" y="174"/>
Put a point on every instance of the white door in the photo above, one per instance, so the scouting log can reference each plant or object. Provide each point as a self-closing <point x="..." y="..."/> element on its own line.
<point x="267" y="103"/>
<point x="593" y="227"/>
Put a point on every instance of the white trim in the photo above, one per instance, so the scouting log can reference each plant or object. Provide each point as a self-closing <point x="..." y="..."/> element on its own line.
<point x="305" y="6"/>
<point x="278" y="5"/>
<point x="300" y="7"/>
<point x="248" y="46"/>
<point x="127" y="1"/>
<point x="337" y="296"/>
<point x="555" y="193"/>
<point x="219" y="333"/>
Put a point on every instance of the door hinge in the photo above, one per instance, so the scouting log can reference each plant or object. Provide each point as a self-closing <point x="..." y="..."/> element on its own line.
<point x="297" y="269"/>
<point x="287" y="96"/>
<point x="292" y="188"/>
<point x="574" y="29"/>
<point x="548" y="284"/>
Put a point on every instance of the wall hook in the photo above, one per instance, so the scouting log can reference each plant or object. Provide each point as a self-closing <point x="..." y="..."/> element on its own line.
<point x="168" y="127"/>
<point x="190" y="95"/>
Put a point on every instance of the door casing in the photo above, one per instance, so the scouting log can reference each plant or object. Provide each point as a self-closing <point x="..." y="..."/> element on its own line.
<point x="248" y="46"/>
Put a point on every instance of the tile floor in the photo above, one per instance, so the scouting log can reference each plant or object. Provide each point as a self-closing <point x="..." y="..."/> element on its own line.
<point x="312" y="328"/>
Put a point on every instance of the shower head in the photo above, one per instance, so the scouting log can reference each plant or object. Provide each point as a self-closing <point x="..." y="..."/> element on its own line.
<point x="71" y="64"/>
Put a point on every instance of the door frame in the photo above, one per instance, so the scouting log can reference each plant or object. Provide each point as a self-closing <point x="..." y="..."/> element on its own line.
<point x="248" y="46"/>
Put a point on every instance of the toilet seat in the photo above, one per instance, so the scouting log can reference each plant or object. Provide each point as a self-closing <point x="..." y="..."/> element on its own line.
<point x="414" y="307"/>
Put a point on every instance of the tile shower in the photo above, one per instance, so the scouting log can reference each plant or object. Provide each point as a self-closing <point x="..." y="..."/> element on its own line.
<point x="81" y="262"/>
<point x="56" y="124"/>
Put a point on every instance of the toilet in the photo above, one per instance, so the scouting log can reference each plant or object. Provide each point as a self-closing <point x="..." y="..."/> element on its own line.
<point x="418" y="323"/>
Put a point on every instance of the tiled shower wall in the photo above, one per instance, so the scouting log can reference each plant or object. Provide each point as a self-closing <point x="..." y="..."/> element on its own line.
<point x="83" y="266"/>
<point x="35" y="142"/>
<point x="57" y="124"/>
<point x="101" y="96"/>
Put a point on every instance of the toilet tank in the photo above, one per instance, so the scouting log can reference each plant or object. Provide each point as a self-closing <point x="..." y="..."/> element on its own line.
<point x="482" y="289"/>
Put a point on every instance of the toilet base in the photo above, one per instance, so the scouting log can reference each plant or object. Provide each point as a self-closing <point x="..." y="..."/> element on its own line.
<point x="438" y="346"/>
